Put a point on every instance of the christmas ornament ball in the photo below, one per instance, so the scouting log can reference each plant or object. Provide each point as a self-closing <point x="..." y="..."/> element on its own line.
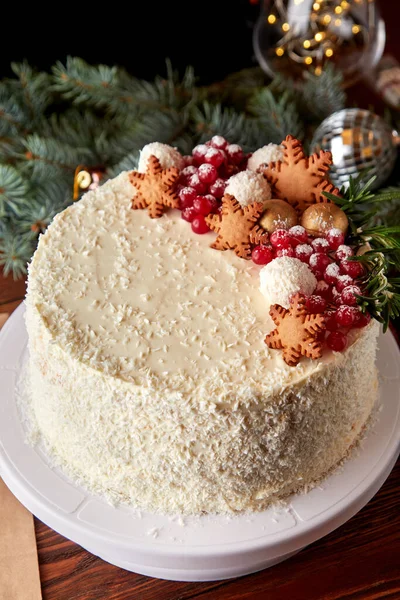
<point x="317" y="219"/>
<point x="278" y="214"/>
<point x="359" y="141"/>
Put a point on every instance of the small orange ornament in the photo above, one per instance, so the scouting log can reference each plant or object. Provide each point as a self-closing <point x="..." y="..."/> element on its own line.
<point x="278" y="214"/>
<point x="319" y="218"/>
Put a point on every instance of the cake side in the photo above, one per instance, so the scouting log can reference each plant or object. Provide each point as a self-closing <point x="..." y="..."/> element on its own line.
<point x="168" y="452"/>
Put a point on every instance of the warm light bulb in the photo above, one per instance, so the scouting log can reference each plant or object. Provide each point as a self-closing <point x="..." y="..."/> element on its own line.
<point x="356" y="29"/>
<point x="327" y="19"/>
<point x="318" y="71"/>
<point x="344" y="4"/>
<point x="316" y="6"/>
<point x="338" y="22"/>
<point x="338" y="10"/>
<point x="308" y="60"/>
<point x="306" y="43"/>
<point x="319" y="36"/>
<point x="329" y="52"/>
<point x="271" y="19"/>
<point x="285" y="26"/>
<point x="279" y="51"/>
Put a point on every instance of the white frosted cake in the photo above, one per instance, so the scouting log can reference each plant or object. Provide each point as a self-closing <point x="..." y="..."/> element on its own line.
<point x="151" y="381"/>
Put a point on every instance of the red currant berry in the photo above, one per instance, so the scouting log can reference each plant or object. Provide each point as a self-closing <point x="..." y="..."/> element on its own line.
<point x="331" y="274"/>
<point x="352" y="268"/>
<point x="298" y="235"/>
<point x="214" y="157"/>
<point x="187" y="172"/>
<point x="318" y="263"/>
<point x="343" y="281"/>
<point x="280" y="238"/>
<point x="196" y="184"/>
<point x="335" y="237"/>
<point x="284" y="252"/>
<point x="315" y="304"/>
<point x="331" y="324"/>
<point x="234" y="153"/>
<point x="343" y="252"/>
<point x="186" y="197"/>
<point x="363" y="320"/>
<point x="199" y="225"/>
<point x="346" y="316"/>
<point x="203" y="205"/>
<point x="217" y="189"/>
<point x="207" y="173"/>
<point x="262" y="255"/>
<point x="348" y="295"/>
<point x="323" y="289"/>
<point x="217" y="141"/>
<point x="199" y="153"/>
<point x="320" y="245"/>
<point x="188" y="214"/>
<point x="303" y="251"/>
<point x="336" y="341"/>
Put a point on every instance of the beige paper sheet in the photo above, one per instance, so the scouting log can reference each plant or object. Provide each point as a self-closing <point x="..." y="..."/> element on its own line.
<point x="19" y="570"/>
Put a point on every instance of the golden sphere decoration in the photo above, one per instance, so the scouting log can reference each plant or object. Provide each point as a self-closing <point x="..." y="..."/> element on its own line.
<point x="317" y="219"/>
<point x="278" y="214"/>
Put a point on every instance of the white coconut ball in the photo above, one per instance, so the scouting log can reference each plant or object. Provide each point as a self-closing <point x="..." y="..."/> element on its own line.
<point x="167" y="155"/>
<point x="248" y="187"/>
<point x="265" y="155"/>
<point x="283" y="277"/>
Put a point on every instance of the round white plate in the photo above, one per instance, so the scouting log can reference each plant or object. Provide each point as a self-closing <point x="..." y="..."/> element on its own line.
<point x="196" y="548"/>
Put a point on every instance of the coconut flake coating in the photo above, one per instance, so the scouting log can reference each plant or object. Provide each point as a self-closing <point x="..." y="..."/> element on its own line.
<point x="167" y="155"/>
<point x="150" y="380"/>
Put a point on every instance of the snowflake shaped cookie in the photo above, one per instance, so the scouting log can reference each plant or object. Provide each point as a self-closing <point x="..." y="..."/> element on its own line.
<point x="155" y="188"/>
<point x="296" y="331"/>
<point x="300" y="179"/>
<point x="237" y="227"/>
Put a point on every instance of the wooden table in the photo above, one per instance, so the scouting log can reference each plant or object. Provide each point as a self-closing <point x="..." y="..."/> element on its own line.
<point x="360" y="560"/>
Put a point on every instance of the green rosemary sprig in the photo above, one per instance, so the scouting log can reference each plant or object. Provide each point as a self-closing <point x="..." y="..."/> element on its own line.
<point x="381" y="259"/>
<point x="359" y="202"/>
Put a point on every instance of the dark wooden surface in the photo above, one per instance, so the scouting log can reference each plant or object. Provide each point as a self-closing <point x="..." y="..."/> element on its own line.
<point x="358" y="561"/>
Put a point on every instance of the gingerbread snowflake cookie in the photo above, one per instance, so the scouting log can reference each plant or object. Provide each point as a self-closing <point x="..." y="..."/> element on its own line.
<point x="296" y="332"/>
<point x="155" y="188"/>
<point x="300" y="179"/>
<point x="237" y="227"/>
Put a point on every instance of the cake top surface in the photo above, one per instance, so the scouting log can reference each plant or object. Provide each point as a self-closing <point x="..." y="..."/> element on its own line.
<point x="149" y="301"/>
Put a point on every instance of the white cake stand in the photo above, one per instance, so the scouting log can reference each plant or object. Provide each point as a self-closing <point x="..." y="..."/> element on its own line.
<point x="191" y="549"/>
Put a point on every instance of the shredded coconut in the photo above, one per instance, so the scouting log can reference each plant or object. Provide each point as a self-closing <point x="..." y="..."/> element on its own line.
<point x="167" y="155"/>
<point x="283" y="277"/>
<point x="248" y="187"/>
<point x="265" y="155"/>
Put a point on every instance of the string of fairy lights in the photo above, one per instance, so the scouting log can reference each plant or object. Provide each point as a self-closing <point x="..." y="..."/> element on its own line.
<point x="312" y="32"/>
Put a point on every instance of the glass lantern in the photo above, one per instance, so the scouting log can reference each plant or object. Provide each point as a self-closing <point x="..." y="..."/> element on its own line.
<point x="298" y="37"/>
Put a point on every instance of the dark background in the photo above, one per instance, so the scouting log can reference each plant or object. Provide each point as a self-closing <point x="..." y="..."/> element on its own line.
<point x="213" y="36"/>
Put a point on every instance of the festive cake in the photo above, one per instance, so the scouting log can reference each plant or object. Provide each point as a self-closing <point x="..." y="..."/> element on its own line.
<point x="174" y="376"/>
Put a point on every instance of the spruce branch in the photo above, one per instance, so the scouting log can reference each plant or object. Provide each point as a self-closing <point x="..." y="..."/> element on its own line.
<point x="82" y="83"/>
<point x="15" y="252"/>
<point x="13" y="191"/>
<point x="278" y="117"/>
